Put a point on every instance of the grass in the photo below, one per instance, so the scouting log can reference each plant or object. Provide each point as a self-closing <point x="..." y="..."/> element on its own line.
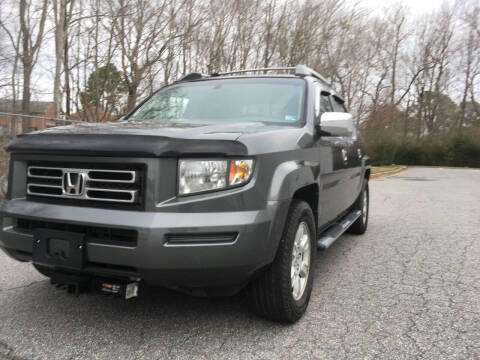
<point x="382" y="169"/>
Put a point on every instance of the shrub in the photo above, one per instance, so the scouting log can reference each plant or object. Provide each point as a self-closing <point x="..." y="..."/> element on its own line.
<point x="464" y="151"/>
<point x="408" y="154"/>
<point x="460" y="150"/>
<point x="382" y="152"/>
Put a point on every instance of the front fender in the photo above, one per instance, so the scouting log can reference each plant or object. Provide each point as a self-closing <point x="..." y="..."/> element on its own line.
<point x="290" y="176"/>
<point x="287" y="178"/>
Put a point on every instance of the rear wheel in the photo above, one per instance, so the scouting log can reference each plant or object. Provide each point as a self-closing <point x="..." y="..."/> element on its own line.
<point x="360" y="225"/>
<point x="283" y="291"/>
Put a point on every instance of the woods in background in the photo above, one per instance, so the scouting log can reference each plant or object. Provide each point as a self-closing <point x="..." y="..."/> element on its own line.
<point x="412" y="83"/>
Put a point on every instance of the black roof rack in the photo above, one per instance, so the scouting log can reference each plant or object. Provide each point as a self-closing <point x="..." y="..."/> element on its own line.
<point x="299" y="70"/>
<point x="254" y="70"/>
<point x="304" y="70"/>
<point x="192" y="76"/>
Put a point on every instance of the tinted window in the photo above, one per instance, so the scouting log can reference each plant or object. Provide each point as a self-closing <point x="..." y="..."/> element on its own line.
<point x="338" y="105"/>
<point x="278" y="101"/>
<point x="325" y="104"/>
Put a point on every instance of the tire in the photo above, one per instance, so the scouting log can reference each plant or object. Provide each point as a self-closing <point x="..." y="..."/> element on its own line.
<point x="362" y="203"/>
<point x="274" y="294"/>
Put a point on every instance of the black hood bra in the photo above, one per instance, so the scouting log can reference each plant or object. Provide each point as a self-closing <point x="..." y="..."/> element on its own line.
<point x="123" y="145"/>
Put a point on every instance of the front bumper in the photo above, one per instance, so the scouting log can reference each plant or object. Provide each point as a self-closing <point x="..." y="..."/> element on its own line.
<point x="196" y="264"/>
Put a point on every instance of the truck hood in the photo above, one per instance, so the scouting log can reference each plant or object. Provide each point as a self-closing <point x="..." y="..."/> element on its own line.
<point x="171" y="130"/>
<point x="141" y="139"/>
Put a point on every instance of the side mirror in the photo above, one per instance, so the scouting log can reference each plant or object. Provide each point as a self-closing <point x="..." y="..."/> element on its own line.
<point x="337" y="124"/>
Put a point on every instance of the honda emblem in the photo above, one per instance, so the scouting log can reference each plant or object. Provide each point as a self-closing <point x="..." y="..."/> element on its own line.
<point x="73" y="183"/>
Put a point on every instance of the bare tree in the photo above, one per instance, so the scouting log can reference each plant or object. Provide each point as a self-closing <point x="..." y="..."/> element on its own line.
<point x="397" y="35"/>
<point x="62" y="11"/>
<point x="10" y="58"/>
<point x="436" y="48"/>
<point x="470" y="62"/>
<point x="407" y="77"/>
<point x="142" y="29"/>
<point x="32" y="27"/>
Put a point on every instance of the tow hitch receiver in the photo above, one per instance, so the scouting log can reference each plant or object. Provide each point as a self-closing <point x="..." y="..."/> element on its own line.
<point x="73" y="284"/>
<point x="124" y="290"/>
<point x="79" y="284"/>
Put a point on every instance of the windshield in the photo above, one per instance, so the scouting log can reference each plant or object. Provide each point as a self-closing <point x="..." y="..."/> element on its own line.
<point x="223" y="101"/>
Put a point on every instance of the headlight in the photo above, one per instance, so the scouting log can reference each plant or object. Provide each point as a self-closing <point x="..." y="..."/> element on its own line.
<point x="205" y="175"/>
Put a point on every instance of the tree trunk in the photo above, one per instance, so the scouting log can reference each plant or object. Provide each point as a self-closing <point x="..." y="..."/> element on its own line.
<point x="30" y="47"/>
<point x="59" y="10"/>
<point x="132" y="98"/>
<point x="26" y="58"/>
<point x="27" y="74"/>
<point x="67" y="78"/>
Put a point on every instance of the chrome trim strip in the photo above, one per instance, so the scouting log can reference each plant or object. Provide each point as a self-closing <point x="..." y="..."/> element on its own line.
<point x="86" y="171"/>
<point x="132" y="193"/>
<point x="29" y="174"/>
<point x="109" y="190"/>
<point x="131" y="181"/>
<point x="46" y="185"/>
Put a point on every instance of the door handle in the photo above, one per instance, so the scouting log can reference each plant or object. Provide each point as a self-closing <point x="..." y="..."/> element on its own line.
<point x="344" y="155"/>
<point x="359" y="153"/>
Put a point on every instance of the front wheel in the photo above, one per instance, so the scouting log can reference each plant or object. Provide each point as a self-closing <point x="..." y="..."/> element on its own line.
<point x="283" y="291"/>
<point x="360" y="225"/>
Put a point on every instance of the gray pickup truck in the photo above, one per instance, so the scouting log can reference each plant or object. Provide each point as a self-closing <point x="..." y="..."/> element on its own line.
<point x="211" y="185"/>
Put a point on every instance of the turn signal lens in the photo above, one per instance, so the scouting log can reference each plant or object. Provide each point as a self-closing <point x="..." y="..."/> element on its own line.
<point x="240" y="171"/>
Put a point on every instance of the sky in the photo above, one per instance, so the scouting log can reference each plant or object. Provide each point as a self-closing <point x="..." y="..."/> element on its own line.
<point x="42" y="79"/>
<point x="417" y="7"/>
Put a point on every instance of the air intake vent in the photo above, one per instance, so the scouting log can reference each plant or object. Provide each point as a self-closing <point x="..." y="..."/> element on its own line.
<point x="100" y="184"/>
<point x="200" y="239"/>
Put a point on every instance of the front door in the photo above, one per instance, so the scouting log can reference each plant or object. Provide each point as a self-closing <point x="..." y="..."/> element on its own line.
<point x="334" y="178"/>
<point x="332" y="153"/>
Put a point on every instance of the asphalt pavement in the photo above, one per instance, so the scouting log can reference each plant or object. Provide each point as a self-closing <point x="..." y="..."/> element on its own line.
<point x="409" y="288"/>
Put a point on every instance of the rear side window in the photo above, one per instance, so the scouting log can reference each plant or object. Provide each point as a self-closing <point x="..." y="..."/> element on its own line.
<point x="338" y="105"/>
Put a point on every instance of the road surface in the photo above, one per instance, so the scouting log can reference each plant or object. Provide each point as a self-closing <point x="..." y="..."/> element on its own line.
<point x="408" y="288"/>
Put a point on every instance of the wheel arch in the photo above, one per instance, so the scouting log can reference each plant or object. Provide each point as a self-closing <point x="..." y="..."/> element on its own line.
<point x="293" y="180"/>
<point x="309" y="194"/>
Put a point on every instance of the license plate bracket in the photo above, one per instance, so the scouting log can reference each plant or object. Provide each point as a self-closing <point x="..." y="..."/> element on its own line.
<point x="59" y="248"/>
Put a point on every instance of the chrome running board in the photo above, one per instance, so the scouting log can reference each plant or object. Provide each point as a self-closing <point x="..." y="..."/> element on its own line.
<point x="329" y="236"/>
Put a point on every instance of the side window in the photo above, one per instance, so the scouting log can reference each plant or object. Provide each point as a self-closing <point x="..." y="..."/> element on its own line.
<point x="325" y="105"/>
<point x="338" y="105"/>
<point x="322" y="102"/>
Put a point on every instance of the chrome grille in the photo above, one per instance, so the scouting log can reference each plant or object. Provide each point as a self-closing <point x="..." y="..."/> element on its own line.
<point x="95" y="184"/>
